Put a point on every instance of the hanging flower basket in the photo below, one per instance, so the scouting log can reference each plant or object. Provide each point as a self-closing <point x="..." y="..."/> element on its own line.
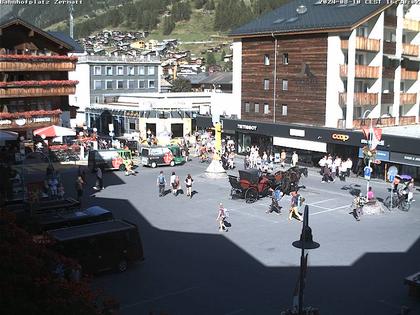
<point x="369" y="154"/>
<point x="30" y="114"/>
<point x="45" y="83"/>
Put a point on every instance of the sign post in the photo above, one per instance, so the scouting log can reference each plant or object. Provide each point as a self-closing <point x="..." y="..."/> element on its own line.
<point x="392" y="172"/>
<point x="367" y="173"/>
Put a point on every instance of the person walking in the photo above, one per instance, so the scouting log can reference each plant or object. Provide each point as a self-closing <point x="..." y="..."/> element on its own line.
<point x="221" y="216"/>
<point x="161" y="183"/>
<point x="79" y="187"/>
<point x="276" y="196"/>
<point x="295" y="158"/>
<point x="283" y="158"/>
<point x="99" y="179"/>
<point x="172" y="183"/>
<point x="296" y="202"/>
<point x="188" y="183"/>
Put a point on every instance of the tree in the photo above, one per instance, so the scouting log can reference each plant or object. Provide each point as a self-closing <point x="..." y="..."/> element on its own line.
<point x="222" y="55"/>
<point x="209" y="5"/>
<point x="199" y="3"/>
<point x="181" y="85"/>
<point x="168" y="25"/>
<point x="210" y="59"/>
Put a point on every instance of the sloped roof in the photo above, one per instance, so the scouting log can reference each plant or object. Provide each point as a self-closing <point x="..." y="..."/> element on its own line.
<point x="194" y="78"/>
<point x="319" y="17"/>
<point x="77" y="48"/>
<point x="218" y="78"/>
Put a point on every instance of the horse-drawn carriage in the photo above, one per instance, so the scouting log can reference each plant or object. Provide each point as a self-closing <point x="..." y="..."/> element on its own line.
<point x="288" y="181"/>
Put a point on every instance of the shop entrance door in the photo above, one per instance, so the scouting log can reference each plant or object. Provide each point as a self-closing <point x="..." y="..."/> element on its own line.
<point x="177" y="130"/>
<point x="152" y="128"/>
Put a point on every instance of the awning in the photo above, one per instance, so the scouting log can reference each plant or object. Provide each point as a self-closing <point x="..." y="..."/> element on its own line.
<point x="54" y="131"/>
<point x="8" y="135"/>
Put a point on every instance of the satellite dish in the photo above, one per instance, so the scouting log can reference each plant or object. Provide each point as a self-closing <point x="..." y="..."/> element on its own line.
<point x="302" y="9"/>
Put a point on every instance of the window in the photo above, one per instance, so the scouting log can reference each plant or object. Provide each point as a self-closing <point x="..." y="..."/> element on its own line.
<point x="120" y="70"/>
<point x="131" y="84"/>
<point x="285" y="58"/>
<point x="120" y="84"/>
<point x="142" y="84"/>
<point x="362" y="31"/>
<point x="132" y="125"/>
<point x="266" y="109"/>
<point x="141" y="70"/>
<point x="402" y="87"/>
<point x="246" y="107"/>
<point x="266" y="60"/>
<point x="97" y="99"/>
<point x="285" y="85"/>
<point x="151" y="70"/>
<point x="130" y="70"/>
<point x="108" y="70"/>
<point x="257" y="107"/>
<point x="108" y="85"/>
<point x="97" y="70"/>
<point x="284" y="110"/>
<point x="266" y="84"/>
<point x="146" y="70"/>
<point x="97" y="85"/>
<point x="151" y="84"/>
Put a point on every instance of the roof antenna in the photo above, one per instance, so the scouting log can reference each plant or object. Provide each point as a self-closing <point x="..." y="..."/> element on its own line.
<point x="71" y="11"/>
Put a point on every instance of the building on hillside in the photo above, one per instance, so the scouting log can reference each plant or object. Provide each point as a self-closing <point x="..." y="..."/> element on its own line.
<point x="34" y="77"/>
<point x="307" y="74"/>
<point x="210" y="82"/>
<point x="102" y="76"/>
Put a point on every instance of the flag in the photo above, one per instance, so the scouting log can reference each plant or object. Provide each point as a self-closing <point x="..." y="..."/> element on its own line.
<point x="373" y="135"/>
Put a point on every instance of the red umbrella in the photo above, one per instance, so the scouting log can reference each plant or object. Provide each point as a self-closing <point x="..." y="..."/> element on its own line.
<point x="54" y="131"/>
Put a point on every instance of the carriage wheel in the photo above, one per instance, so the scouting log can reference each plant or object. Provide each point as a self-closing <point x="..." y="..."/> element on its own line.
<point x="251" y="195"/>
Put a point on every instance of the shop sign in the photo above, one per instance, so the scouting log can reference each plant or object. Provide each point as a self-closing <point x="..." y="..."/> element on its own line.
<point x="297" y="132"/>
<point x="404" y="158"/>
<point x="247" y="127"/>
<point x="20" y="121"/>
<point x="380" y="155"/>
<point x="365" y="141"/>
<point x="41" y="119"/>
<point x="5" y="122"/>
<point x="340" y="137"/>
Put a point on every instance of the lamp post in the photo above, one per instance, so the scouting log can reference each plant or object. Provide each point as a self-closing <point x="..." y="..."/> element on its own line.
<point x="305" y="242"/>
<point x="370" y="146"/>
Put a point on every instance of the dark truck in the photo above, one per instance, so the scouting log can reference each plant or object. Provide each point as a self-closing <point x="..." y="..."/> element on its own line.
<point x="100" y="246"/>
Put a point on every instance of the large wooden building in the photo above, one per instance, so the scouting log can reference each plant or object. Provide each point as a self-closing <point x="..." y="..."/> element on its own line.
<point x="330" y="65"/>
<point x="34" y="85"/>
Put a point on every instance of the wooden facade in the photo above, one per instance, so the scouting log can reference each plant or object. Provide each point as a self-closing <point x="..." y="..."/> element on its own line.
<point x="301" y="68"/>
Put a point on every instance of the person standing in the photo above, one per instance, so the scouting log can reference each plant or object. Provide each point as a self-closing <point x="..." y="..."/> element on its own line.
<point x="161" y="183"/>
<point x="99" y="179"/>
<point x="283" y="158"/>
<point x="188" y="183"/>
<point x="173" y="183"/>
<point x="295" y="158"/>
<point x="294" y="206"/>
<point x="221" y="218"/>
<point x="79" y="187"/>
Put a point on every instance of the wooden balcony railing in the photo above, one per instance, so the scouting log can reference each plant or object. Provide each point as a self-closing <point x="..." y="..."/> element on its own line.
<point x="387" y="98"/>
<point x="360" y="99"/>
<point x="37" y="88"/>
<point x="389" y="48"/>
<point x="407" y="120"/>
<point x="361" y="71"/>
<point x="411" y="25"/>
<point x="408" y="75"/>
<point x="378" y="122"/>
<point x="37" y="63"/>
<point x="363" y="43"/>
<point x="390" y="20"/>
<point x="31" y="119"/>
<point x="408" y="98"/>
<point x="411" y="50"/>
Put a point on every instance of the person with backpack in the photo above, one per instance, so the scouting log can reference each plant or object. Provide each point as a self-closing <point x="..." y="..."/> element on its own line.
<point x="188" y="184"/>
<point x="296" y="203"/>
<point x="161" y="183"/>
<point x="276" y="196"/>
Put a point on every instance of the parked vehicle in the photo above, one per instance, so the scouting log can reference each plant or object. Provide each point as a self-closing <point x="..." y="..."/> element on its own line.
<point x="157" y="155"/>
<point x="114" y="159"/>
<point x="100" y="246"/>
<point x="250" y="185"/>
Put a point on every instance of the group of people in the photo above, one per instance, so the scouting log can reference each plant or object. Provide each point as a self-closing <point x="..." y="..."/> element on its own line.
<point x="296" y="203"/>
<point x="265" y="161"/>
<point x="331" y="168"/>
<point x="175" y="184"/>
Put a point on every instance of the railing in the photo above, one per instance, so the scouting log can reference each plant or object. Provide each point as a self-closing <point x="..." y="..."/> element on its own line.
<point x="408" y="98"/>
<point x="37" y="63"/>
<point x="390" y="48"/>
<point x="29" y="119"/>
<point x="407" y="120"/>
<point x="390" y="20"/>
<point x="408" y="75"/>
<point x="130" y="59"/>
<point x="361" y="71"/>
<point x="378" y="122"/>
<point x="37" y="88"/>
<point x="363" y="43"/>
<point x="411" y="25"/>
<point x="360" y="99"/>
<point x="410" y="50"/>
<point x="387" y="98"/>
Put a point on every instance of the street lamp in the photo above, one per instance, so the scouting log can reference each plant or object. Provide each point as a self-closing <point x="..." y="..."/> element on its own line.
<point x="305" y="242"/>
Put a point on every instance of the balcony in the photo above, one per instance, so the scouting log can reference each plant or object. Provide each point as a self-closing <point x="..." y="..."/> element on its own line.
<point x="37" y="88"/>
<point x="389" y="48"/>
<point x="363" y="43"/>
<point x="365" y="72"/>
<point x="360" y="99"/>
<point x="408" y="98"/>
<point x="407" y="120"/>
<point x="37" y="63"/>
<point x="411" y="25"/>
<point x="30" y="119"/>
<point x="378" y="122"/>
<point x="390" y="21"/>
<point x="387" y="98"/>
<point x="410" y="50"/>
<point x="408" y="75"/>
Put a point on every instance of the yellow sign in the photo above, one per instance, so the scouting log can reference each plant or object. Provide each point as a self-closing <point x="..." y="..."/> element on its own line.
<point x="340" y="137"/>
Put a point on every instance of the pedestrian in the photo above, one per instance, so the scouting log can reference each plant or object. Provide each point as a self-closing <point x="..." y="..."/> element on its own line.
<point x="295" y="158"/>
<point x="129" y="169"/>
<point x="322" y="162"/>
<point x="221" y="216"/>
<point x="283" y="158"/>
<point x="276" y="196"/>
<point x="79" y="187"/>
<point x="188" y="183"/>
<point x="99" y="179"/>
<point x="370" y="195"/>
<point x="161" y="183"/>
<point x="357" y="206"/>
<point x="172" y="183"/>
<point x="81" y="172"/>
<point x="296" y="202"/>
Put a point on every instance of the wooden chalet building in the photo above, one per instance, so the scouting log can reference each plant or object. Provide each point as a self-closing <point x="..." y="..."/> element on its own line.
<point x="34" y="85"/>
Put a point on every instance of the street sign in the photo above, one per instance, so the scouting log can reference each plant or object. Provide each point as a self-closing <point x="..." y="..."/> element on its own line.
<point x="392" y="172"/>
<point x="367" y="172"/>
<point x="391" y="178"/>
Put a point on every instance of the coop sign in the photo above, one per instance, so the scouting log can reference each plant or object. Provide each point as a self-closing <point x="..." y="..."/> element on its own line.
<point x="5" y="122"/>
<point x="340" y="137"/>
<point x="247" y="127"/>
<point x="41" y="119"/>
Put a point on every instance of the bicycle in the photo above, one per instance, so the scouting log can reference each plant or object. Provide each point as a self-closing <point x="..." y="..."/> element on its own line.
<point x="399" y="200"/>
